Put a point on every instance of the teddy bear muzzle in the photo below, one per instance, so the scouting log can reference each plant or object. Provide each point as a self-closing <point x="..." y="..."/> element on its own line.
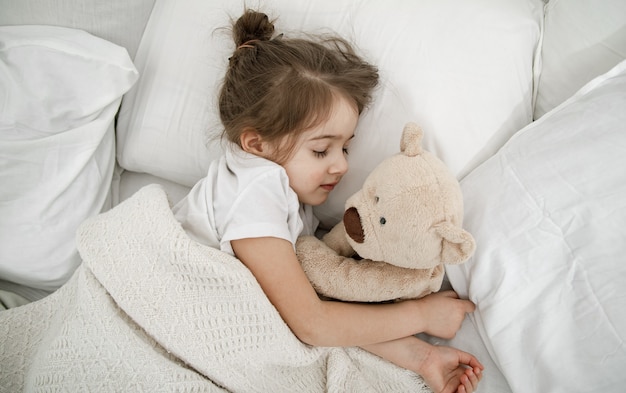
<point x="352" y="223"/>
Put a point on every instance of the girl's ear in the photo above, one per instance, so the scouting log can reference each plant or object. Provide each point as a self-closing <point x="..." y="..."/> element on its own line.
<point x="252" y="142"/>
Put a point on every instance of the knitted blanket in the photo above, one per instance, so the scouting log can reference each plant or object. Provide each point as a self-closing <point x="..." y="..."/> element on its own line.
<point x="151" y="310"/>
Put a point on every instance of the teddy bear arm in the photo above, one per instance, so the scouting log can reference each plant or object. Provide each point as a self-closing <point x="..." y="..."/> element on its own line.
<point x="347" y="279"/>
<point x="372" y="281"/>
<point x="320" y="264"/>
<point x="337" y="240"/>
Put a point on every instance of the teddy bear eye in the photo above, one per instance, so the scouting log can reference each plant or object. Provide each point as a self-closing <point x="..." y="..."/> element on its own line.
<point x="376" y="199"/>
<point x="383" y="221"/>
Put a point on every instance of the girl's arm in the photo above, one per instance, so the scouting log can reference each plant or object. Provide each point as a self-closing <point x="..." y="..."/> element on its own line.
<point x="445" y="369"/>
<point x="328" y="323"/>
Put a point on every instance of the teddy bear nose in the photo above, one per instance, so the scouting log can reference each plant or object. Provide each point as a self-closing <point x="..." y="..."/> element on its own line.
<point x="352" y="222"/>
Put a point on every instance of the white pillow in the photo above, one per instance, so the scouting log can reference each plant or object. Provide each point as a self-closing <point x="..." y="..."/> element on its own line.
<point x="583" y="39"/>
<point x="548" y="213"/>
<point x="119" y="21"/>
<point x="462" y="69"/>
<point x="60" y="91"/>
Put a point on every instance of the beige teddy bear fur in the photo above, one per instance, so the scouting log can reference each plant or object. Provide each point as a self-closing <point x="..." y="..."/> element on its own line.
<point x="397" y="232"/>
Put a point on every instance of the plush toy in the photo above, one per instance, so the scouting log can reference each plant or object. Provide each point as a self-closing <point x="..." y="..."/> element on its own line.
<point x="397" y="232"/>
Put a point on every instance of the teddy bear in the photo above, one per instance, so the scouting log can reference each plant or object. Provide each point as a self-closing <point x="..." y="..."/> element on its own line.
<point x="397" y="231"/>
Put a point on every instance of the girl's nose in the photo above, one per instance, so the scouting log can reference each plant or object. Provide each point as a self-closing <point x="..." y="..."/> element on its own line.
<point x="339" y="165"/>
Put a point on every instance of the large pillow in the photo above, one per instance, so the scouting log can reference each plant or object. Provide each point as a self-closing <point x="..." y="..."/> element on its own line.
<point x="548" y="213"/>
<point x="60" y="89"/>
<point x="119" y="21"/>
<point x="583" y="39"/>
<point x="462" y="69"/>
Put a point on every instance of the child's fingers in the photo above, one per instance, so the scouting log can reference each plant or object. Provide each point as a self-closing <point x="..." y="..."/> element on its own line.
<point x="466" y="385"/>
<point x="469" y="305"/>
<point x="479" y="373"/>
<point x="469" y="381"/>
<point x="469" y="360"/>
<point x="449" y="293"/>
<point x="473" y="379"/>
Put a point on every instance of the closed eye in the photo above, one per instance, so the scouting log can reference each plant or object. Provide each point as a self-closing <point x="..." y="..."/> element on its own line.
<point x="320" y="154"/>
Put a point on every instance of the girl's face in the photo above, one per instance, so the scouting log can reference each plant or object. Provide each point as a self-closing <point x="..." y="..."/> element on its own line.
<point x="318" y="161"/>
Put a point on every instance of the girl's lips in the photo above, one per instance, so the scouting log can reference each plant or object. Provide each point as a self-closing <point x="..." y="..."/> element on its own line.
<point x="329" y="187"/>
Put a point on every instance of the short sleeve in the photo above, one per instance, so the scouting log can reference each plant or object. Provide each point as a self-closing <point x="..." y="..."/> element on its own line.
<point x="267" y="207"/>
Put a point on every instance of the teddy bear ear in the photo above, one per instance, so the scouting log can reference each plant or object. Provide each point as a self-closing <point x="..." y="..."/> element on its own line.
<point x="457" y="244"/>
<point x="411" y="142"/>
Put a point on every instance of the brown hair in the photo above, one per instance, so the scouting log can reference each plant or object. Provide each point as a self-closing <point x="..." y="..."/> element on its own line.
<point x="282" y="86"/>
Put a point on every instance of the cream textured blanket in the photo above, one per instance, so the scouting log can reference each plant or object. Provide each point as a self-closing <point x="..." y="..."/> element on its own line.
<point x="151" y="310"/>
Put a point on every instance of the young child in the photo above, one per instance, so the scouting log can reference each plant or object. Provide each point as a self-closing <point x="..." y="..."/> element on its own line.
<point x="289" y="108"/>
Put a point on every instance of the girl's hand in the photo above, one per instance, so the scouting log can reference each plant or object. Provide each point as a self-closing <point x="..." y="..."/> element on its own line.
<point x="449" y="370"/>
<point x="444" y="312"/>
<point x="445" y="369"/>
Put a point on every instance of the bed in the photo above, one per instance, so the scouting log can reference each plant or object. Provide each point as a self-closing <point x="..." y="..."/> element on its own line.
<point x="106" y="118"/>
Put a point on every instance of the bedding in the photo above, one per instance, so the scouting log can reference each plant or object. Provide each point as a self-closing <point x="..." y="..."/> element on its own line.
<point x="118" y="21"/>
<point x="441" y="62"/>
<point x="581" y="41"/>
<point x="61" y="89"/>
<point x="546" y="209"/>
<point x="151" y="310"/>
<point x="548" y="213"/>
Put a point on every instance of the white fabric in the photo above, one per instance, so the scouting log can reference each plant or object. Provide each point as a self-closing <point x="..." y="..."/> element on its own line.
<point x="463" y="70"/>
<point x="582" y="39"/>
<point x="548" y="213"/>
<point x="60" y="91"/>
<point x="119" y="21"/>
<point x="127" y="183"/>
<point x="243" y="196"/>
<point x="151" y="310"/>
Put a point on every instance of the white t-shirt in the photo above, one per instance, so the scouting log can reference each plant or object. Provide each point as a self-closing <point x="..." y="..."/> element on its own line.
<point x="243" y="196"/>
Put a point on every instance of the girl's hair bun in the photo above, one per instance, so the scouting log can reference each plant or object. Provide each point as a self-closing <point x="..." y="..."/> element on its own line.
<point x="281" y="87"/>
<point x="252" y="25"/>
